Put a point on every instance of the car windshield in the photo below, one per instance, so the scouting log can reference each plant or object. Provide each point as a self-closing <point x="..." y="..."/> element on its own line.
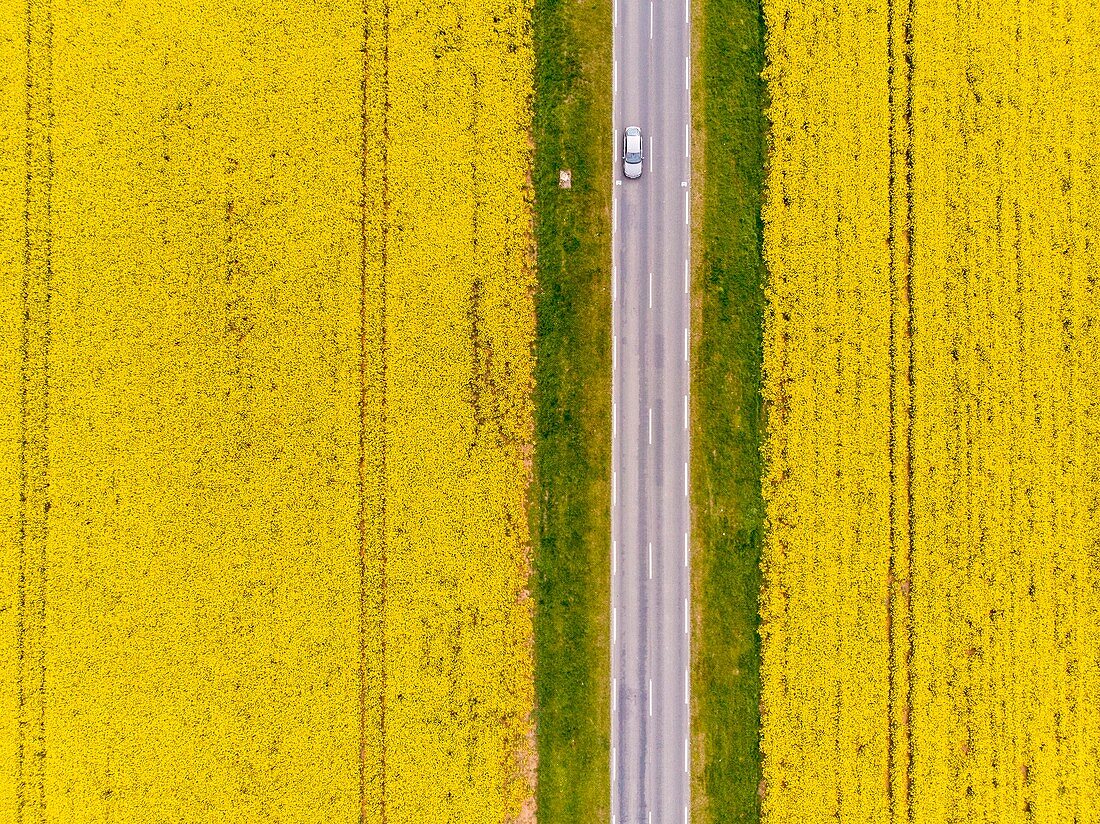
<point x="633" y="157"/>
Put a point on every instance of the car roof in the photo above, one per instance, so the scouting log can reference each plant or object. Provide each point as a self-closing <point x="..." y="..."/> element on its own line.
<point x="634" y="142"/>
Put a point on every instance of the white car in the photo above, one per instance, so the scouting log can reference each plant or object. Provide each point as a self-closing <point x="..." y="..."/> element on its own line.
<point x="632" y="152"/>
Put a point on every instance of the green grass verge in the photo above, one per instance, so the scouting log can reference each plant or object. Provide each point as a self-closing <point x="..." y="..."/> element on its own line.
<point x="570" y="518"/>
<point x="728" y="418"/>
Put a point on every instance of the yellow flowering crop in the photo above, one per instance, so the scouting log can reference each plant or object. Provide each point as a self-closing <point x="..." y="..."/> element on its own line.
<point x="13" y="169"/>
<point x="1006" y="666"/>
<point x="264" y="412"/>
<point x="450" y="228"/>
<point x="931" y="650"/>
<point x="824" y="684"/>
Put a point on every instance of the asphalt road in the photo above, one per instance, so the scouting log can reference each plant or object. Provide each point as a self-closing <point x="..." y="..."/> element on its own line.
<point x="650" y="514"/>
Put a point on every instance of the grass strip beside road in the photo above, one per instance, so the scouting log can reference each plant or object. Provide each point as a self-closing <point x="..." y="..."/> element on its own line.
<point x="570" y="497"/>
<point x="728" y="424"/>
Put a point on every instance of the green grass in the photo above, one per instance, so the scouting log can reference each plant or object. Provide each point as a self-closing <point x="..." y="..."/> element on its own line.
<point x="728" y="418"/>
<point x="570" y="518"/>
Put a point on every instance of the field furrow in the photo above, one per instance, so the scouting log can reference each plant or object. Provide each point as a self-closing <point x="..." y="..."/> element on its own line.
<point x="13" y="363"/>
<point x="34" y="342"/>
<point x="900" y="604"/>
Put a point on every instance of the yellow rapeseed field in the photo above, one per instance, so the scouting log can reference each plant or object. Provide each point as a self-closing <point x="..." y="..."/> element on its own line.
<point x="931" y="614"/>
<point x="450" y="242"/>
<point x="824" y="686"/>
<point x="264" y="412"/>
<point x="13" y="170"/>
<point x="1006" y="561"/>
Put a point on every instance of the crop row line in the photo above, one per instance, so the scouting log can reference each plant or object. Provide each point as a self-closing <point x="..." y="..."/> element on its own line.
<point x="34" y="414"/>
<point x="899" y="616"/>
<point x="369" y="406"/>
